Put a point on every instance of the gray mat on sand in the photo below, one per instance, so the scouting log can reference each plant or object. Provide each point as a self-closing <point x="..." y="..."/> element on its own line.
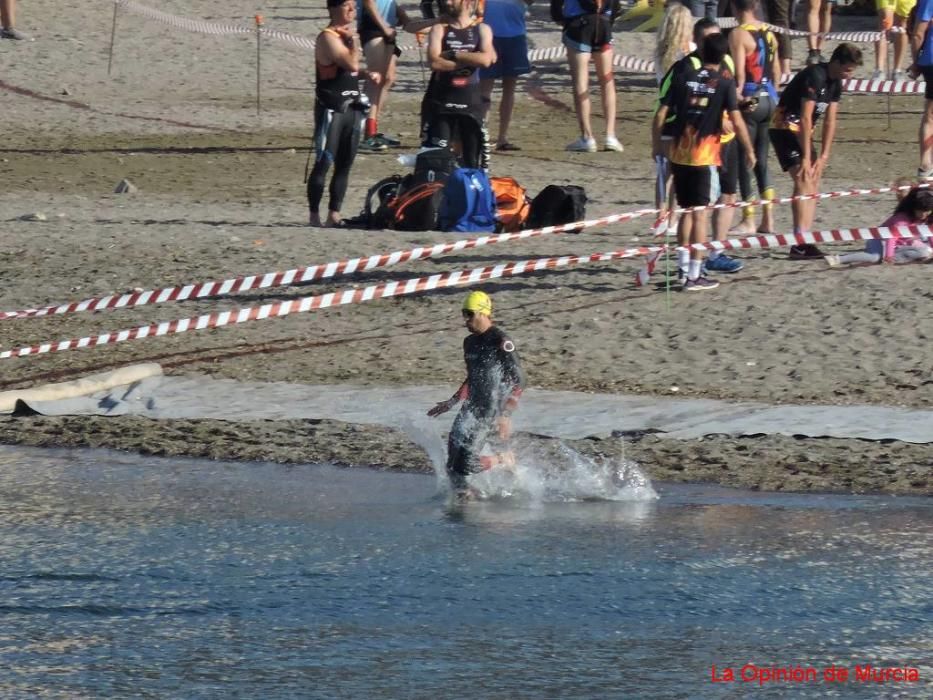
<point x="561" y="414"/>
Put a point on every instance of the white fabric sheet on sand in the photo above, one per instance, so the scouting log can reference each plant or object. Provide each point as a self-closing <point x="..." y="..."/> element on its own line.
<point x="560" y="414"/>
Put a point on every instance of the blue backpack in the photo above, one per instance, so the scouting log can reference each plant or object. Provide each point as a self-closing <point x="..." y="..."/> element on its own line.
<point x="468" y="203"/>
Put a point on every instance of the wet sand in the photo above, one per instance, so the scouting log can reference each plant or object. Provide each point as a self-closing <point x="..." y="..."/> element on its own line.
<point x="228" y="200"/>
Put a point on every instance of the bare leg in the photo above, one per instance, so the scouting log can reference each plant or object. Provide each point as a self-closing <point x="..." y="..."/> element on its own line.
<point x="813" y="23"/>
<point x="722" y="218"/>
<point x="699" y="231"/>
<point x="603" y="63"/>
<point x="580" y="77"/>
<point x="900" y="42"/>
<point x="379" y="58"/>
<point x="505" y="108"/>
<point x="8" y="13"/>
<point x="885" y="17"/>
<point x="926" y="138"/>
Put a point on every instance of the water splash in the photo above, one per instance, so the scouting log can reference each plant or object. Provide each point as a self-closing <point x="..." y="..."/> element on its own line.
<point x="554" y="472"/>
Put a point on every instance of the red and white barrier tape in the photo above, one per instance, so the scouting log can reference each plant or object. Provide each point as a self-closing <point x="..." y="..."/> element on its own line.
<point x="311" y="273"/>
<point x="448" y="279"/>
<point x="322" y="301"/>
<point x="304" y="274"/>
<point x="729" y="22"/>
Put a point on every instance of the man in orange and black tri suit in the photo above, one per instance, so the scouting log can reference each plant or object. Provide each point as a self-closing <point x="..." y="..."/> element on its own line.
<point x="698" y="96"/>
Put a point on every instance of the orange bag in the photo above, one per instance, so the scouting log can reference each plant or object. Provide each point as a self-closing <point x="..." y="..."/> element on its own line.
<point x="512" y="204"/>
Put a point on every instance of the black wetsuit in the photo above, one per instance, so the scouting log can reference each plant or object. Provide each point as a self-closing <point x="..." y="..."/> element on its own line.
<point x="339" y="110"/>
<point x="452" y="108"/>
<point x="493" y="385"/>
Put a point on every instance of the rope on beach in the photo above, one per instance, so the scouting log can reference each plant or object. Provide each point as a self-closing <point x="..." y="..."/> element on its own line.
<point x="416" y="285"/>
<point x="245" y="283"/>
<point x="865" y="37"/>
<point x="556" y="53"/>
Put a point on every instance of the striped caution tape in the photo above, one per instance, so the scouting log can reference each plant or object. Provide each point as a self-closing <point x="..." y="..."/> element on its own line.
<point x="340" y="268"/>
<point x="417" y="285"/>
<point x="729" y="22"/>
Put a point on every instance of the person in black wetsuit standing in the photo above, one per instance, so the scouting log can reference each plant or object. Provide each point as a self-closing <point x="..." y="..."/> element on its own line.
<point x="452" y="109"/>
<point x="489" y="393"/>
<point x="339" y="109"/>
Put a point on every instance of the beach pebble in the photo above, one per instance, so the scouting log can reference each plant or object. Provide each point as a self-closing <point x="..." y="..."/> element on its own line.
<point x="674" y="389"/>
<point x="125" y="187"/>
<point x="65" y="91"/>
<point x="36" y="216"/>
<point x="291" y="151"/>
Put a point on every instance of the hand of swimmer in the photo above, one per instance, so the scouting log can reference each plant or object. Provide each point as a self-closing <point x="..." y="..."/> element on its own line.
<point x="375" y="77"/>
<point x="505" y="427"/>
<point x="750" y="159"/>
<point x="440" y="408"/>
<point x="390" y="35"/>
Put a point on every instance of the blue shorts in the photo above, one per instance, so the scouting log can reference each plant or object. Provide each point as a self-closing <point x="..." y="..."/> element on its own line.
<point x="512" y="58"/>
<point x="588" y="34"/>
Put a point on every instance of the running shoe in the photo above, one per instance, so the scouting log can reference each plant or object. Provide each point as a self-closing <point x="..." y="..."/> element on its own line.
<point x="372" y="145"/>
<point x="723" y="263"/>
<point x="582" y="145"/>
<point x="923" y="174"/>
<point x="11" y="33"/>
<point x="814" y="56"/>
<point x="389" y="141"/>
<point x="613" y="144"/>
<point x="832" y="260"/>
<point x="700" y="284"/>
<point x="878" y="75"/>
<point x="898" y="75"/>
<point x="807" y="251"/>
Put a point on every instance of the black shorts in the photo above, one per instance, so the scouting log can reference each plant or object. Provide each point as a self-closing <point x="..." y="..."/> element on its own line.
<point x="928" y="76"/>
<point x="588" y="33"/>
<point x="729" y="170"/>
<point x="695" y="185"/>
<point x="787" y="147"/>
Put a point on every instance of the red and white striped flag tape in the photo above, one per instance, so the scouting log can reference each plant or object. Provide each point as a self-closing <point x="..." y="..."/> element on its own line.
<point x="449" y="279"/>
<point x="246" y="283"/>
<point x="647" y="269"/>
<point x="299" y="275"/>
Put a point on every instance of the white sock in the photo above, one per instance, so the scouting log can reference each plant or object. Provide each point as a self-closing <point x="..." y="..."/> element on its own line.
<point x="694" y="269"/>
<point x="683" y="260"/>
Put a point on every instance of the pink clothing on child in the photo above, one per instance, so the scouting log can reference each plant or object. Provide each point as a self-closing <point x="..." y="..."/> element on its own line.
<point x="890" y="244"/>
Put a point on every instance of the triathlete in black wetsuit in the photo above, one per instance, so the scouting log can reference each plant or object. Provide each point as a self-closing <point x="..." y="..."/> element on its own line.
<point x="490" y="392"/>
<point x="339" y="109"/>
<point x="452" y="108"/>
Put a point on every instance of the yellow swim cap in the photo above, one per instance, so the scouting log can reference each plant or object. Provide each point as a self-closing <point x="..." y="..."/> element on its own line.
<point x="478" y="303"/>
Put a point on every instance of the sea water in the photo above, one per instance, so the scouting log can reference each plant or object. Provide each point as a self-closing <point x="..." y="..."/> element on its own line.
<point x="123" y="576"/>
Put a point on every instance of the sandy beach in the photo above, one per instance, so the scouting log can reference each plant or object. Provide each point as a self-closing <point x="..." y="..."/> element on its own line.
<point x="221" y="195"/>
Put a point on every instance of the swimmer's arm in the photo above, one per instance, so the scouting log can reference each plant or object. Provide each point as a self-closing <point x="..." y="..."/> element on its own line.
<point x="806" y="130"/>
<point x="918" y="36"/>
<point x="656" y="127"/>
<point x="435" y="43"/>
<point x="829" y="132"/>
<point x="737" y="49"/>
<point x="335" y="51"/>
<point x="483" y="58"/>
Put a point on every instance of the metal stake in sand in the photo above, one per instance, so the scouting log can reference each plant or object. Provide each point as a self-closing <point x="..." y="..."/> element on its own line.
<point x="113" y="37"/>
<point x="258" y="19"/>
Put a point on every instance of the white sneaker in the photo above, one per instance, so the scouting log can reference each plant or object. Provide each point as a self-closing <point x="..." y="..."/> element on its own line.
<point x="832" y="260"/>
<point x="582" y="145"/>
<point x="924" y="174"/>
<point x="613" y="144"/>
<point x="898" y="75"/>
<point x="878" y="75"/>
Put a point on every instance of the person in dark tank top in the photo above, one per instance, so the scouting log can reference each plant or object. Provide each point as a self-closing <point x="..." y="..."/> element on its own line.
<point x="452" y="109"/>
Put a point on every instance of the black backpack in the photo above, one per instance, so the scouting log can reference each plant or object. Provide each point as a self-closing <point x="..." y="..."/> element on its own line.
<point x="556" y="205"/>
<point x="433" y="165"/>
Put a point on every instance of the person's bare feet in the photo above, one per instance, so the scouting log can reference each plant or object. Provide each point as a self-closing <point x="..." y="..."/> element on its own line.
<point x="333" y="220"/>
<point x="745" y="227"/>
<point x="314" y="219"/>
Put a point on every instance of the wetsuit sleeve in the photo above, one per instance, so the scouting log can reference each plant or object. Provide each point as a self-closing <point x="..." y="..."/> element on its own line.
<point x="513" y="378"/>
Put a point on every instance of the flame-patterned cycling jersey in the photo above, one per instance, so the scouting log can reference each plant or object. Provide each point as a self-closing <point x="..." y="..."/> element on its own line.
<point x="698" y="96"/>
<point x="812" y="83"/>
